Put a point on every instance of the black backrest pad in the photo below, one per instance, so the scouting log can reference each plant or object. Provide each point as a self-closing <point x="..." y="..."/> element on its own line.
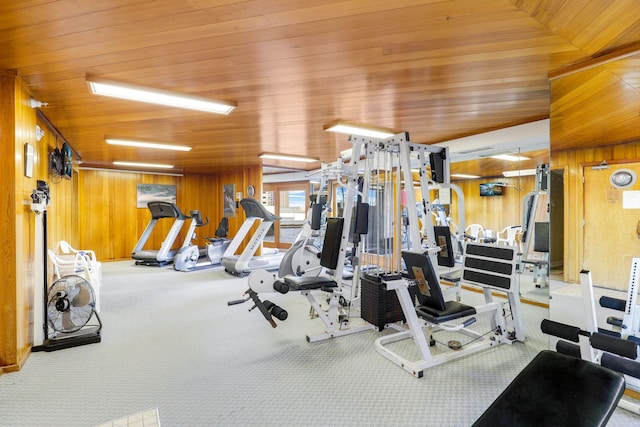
<point x="488" y="265"/>
<point x="331" y="245"/>
<point x="420" y="269"/>
<point x="316" y="216"/>
<point x="486" y="279"/>
<point x="442" y="234"/>
<point x="541" y="237"/>
<point x="223" y="227"/>
<point x="505" y="253"/>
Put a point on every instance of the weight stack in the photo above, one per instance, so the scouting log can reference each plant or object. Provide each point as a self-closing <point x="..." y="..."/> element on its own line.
<point x="379" y="306"/>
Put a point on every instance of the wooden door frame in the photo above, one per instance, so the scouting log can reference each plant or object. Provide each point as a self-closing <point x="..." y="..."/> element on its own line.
<point x="277" y="187"/>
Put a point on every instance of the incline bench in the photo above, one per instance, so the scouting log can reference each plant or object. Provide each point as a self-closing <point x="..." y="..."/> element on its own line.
<point x="556" y="390"/>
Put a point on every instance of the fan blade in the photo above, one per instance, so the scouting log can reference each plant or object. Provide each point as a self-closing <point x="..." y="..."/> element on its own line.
<point x="82" y="297"/>
<point x="67" y="322"/>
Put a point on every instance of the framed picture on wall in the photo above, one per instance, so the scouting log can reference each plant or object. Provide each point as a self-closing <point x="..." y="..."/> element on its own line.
<point x="155" y="192"/>
<point x="228" y="200"/>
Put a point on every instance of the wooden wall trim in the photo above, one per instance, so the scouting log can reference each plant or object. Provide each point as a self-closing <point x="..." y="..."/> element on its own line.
<point x="8" y="298"/>
<point x="595" y="62"/>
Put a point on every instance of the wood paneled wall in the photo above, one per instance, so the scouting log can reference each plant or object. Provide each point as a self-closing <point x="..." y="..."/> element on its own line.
<point x="573" y="162"/>
<point x="94" y="209"/>
<point x="8" y="256"/>
<point x="493" y="213"/>
<point x="111" y="225"/>
<point x="20" y="261"/>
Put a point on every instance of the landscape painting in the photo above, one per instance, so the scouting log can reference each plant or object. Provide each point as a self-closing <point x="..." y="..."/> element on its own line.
<point x="152" y="192"/>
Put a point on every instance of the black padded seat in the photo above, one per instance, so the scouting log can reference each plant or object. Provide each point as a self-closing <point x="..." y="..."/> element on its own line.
<point x="557" y="390"/>
<point x="453" y="310"/>
<point x="306" y="283"/>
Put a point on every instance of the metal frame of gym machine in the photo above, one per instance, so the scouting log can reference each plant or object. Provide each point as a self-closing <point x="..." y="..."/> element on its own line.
<point x="530" y="208"/>
<point x="436" y="160"/>
<point x="336" y="321"/>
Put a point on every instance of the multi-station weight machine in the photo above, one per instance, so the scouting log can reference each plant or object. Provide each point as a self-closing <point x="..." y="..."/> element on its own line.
<point x="395" y="279"/>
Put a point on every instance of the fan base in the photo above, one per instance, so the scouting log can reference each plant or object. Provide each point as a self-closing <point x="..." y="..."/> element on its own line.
<point x="71" y="340"/>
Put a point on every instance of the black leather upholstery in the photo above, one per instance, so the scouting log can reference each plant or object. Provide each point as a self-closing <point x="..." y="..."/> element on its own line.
<point x="307" y="283"/>
<point x="557" y="390"/>
<point x="453" y="310"/>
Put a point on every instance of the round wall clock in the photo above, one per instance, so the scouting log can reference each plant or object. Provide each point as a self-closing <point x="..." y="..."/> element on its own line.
<point x="251" y="191"/>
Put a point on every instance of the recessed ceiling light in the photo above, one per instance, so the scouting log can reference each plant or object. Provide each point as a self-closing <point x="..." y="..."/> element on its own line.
<point x="289" y="157"/>
<point x="133" y="92"/>
<point x="142" y="144"/>
<point x="350" y="128"/>
<point x="143" y="165"/>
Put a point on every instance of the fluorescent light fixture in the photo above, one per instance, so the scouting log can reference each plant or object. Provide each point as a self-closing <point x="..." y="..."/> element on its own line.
<point x="509" y="157"/>
<point x="157" y="96"/>
<point x="141" y="144"/>
<point x="289" y="157"/>
<point x="143" y="165"/>
<point x="464" y="175"/>
<point x="521" y="172"/>
<point x="350" y="128"/>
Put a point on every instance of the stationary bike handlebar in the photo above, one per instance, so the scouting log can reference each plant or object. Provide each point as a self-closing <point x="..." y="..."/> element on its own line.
<point x="198" y="218"/>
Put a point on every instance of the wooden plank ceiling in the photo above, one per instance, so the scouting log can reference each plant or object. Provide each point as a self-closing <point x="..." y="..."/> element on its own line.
<point x="437" y="69"/>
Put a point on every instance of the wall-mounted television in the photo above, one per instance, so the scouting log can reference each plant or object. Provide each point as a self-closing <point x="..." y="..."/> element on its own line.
<point x="491" y="189"/>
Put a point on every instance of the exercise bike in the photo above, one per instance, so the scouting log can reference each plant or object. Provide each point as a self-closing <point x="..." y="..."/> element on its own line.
<point x="189" y="256"/>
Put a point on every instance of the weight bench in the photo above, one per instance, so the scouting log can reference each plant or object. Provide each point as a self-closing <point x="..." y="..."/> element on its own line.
<point x="557" y="390"/>
<point x="615" y="353"/>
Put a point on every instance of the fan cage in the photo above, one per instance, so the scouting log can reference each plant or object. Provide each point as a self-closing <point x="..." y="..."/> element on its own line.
<point x="70" y="304"/>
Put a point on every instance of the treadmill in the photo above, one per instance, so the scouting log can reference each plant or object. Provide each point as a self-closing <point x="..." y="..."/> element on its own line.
<point x="243" y="263"/>
<point x="165" y="254"/>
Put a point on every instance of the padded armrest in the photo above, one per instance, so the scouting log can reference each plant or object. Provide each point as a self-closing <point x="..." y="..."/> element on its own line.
<point x="557" y="390"/>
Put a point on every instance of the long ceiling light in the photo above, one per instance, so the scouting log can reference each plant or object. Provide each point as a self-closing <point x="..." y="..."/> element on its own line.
<point x="141" y="144"/>
<point x="521" y="172"/>
<point x="132" y="92"/>
<point x="464" y="176"/>
<point x="509" y="157"/>
<point x="143" y="165"/>
<point x="351" y="128"/>
<point x="289" y="157"/>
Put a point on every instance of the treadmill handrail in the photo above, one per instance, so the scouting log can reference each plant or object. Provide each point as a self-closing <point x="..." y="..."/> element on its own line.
<point x="254" y="209"/>
<point x="161" y="209"/>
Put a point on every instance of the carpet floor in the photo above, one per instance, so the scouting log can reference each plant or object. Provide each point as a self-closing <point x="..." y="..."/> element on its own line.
<point x="170" y="342"/>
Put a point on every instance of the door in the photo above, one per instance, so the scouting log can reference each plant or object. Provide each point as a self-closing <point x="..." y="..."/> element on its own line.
<point x="289" y="201"/>
<point x="611" y="225"/>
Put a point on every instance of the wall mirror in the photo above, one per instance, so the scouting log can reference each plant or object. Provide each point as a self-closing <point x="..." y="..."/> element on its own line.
<point x="595" y="154"/>
<point x="516" y="212"/>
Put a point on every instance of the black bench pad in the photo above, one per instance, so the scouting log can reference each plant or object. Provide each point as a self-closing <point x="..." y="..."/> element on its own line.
<point x="306" y="283"/>
<point x="557" y="390"/>
<point x="453" y="310"/>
